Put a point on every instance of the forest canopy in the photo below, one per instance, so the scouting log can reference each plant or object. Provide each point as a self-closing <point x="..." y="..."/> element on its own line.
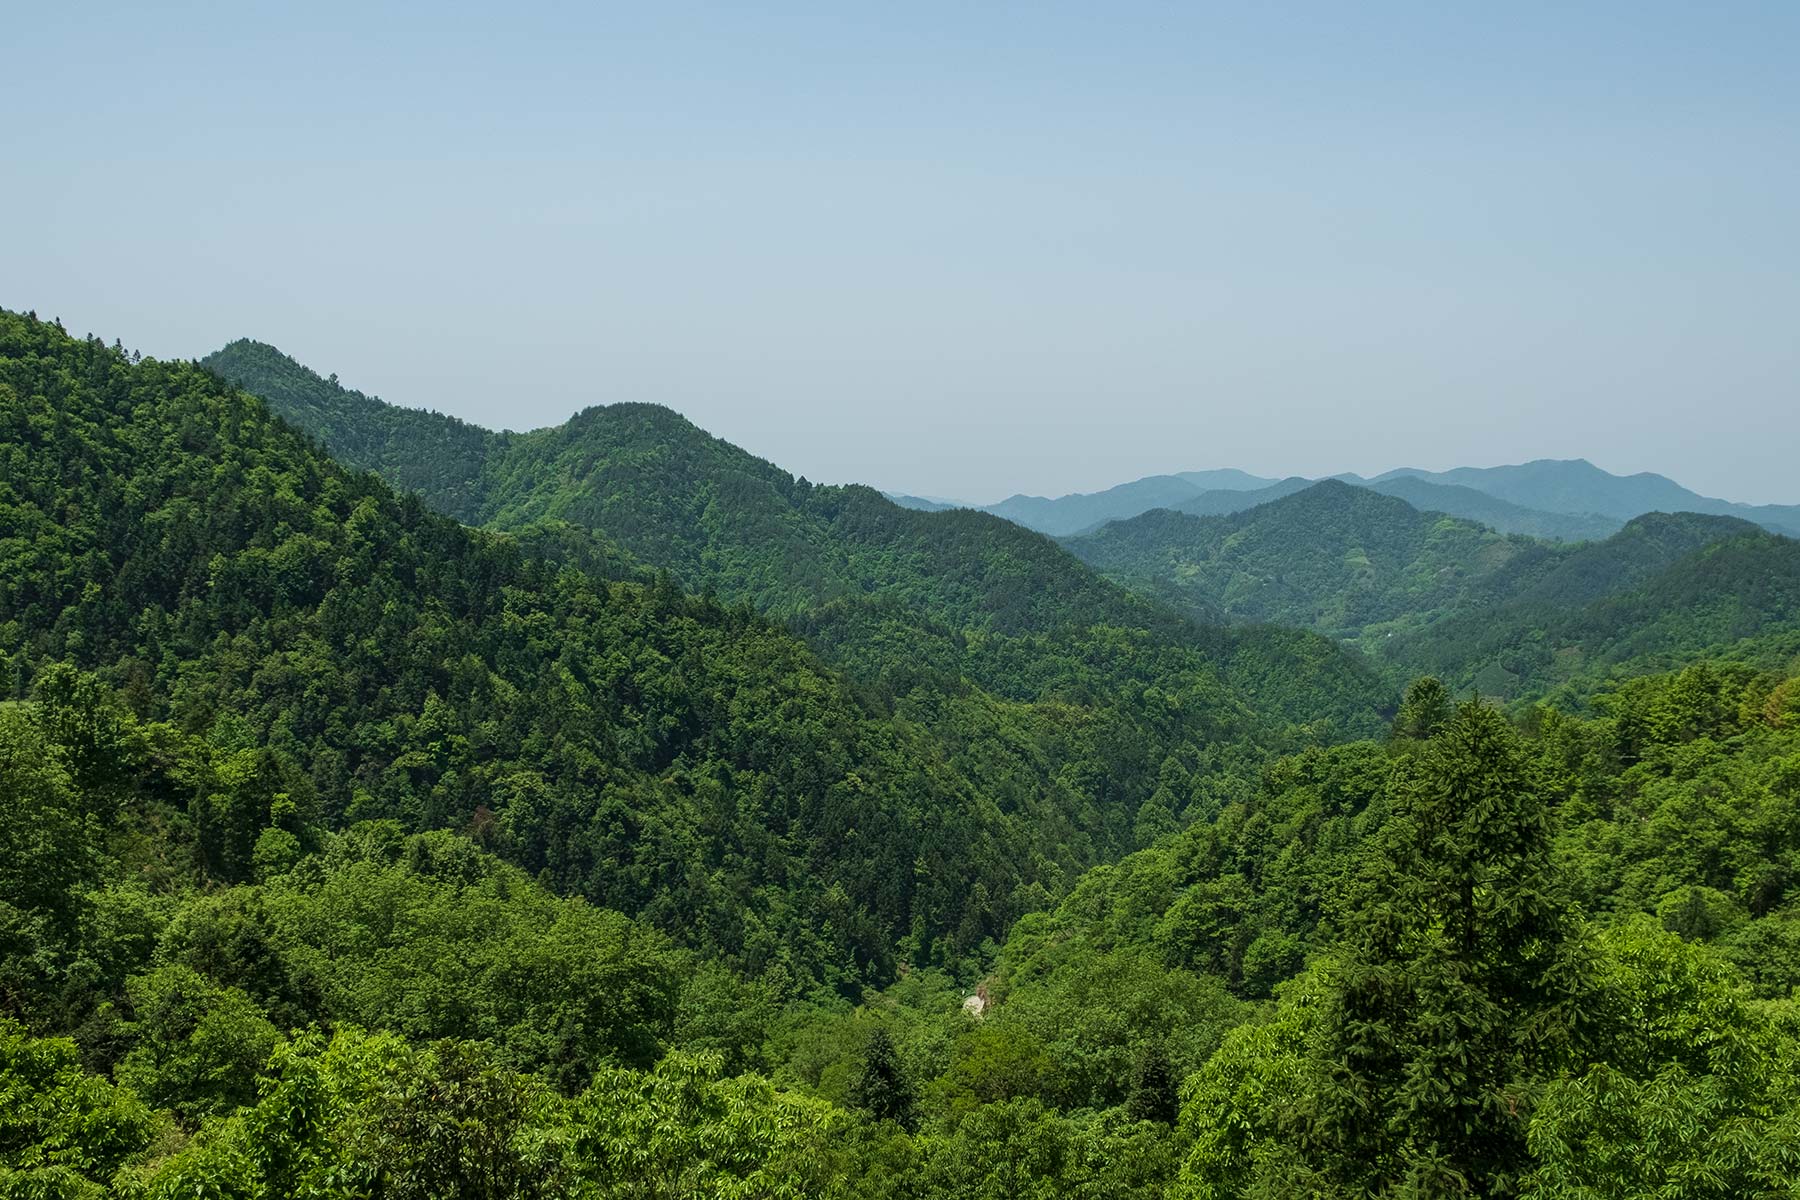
<point x="351" y="849"/>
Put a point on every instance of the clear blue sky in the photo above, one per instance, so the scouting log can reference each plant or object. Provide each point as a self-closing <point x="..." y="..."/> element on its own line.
<point x="957" y="249"/>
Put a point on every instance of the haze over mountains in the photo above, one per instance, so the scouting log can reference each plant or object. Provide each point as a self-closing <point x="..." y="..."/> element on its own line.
<point x="1563" y="499"/>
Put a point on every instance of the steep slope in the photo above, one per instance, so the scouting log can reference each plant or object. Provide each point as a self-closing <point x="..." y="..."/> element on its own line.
<point x="439" y="457"/>
<point x="1332" y="557"/>
<point x="1000" y="605"/>
<point x="1578" y="486"/>
<point x="657" y="753"/>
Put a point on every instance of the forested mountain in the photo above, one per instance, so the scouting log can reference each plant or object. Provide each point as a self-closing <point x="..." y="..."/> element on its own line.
<point x="892" y="595"/>
<point x="1340" y="559"/>
<point x="1501" y="515"/>
<point x="354" y="851"/>
<point x="1577" y="937"/>
<point x="1665" y="590"/>
<point x="1507" y="616"/>
<point x="656" y="753"/>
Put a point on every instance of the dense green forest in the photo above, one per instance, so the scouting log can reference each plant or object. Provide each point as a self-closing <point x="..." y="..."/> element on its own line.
<point x="352" y="850"/>
<point x="1507" y="616"/>
<point x="894" y="596"/>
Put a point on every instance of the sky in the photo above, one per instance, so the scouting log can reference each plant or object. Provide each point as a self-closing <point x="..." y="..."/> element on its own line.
<point x="951" y="249"/>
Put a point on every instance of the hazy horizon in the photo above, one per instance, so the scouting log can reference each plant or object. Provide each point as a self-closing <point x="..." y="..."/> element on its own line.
<point x="955" y="252"/>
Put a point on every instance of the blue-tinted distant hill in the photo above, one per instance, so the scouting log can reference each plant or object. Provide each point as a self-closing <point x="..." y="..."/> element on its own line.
<point x="1561" y="500"/>
<point x="1578" y="486"/>
<point x="1072" y="514"/>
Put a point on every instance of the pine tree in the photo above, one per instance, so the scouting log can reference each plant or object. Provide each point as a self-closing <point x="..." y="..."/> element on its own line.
<point x="883" y="1088"/>
<point x="1456" y="984"/>
<point x="1423" y="712"/>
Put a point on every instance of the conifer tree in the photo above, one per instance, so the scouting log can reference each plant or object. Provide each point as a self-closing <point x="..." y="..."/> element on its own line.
<point x="883" y="1088"/>
<point x="1456" y="986"/>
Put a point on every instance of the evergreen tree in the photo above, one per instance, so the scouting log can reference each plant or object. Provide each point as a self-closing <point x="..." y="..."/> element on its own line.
<point x="1423" y="712"/>
<point x="883" y="1088"/>
<point x="1457" y="981"/>
<point x="1153" y="1093"/>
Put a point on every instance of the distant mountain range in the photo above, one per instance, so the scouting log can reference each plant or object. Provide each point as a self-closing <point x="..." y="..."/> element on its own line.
<point x="1503" y="614"/>
<point x="1558" y="499"/>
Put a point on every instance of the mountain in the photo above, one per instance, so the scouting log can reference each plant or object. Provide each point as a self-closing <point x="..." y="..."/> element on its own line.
<point x="890" y="594"/>
<point x="1228" y="479"/>
<point x="1075" y="513"/>
<point x="1577" y="486"/>
<point x="1330" y="556"/>
<point x="1566" y="501"/>
<point x="1220" y="502"/>
<point x="1666" y="590"/>
<point x="351" y="850"/>
<point x="1458" y="501"/>
<point x="657" y="753"/>
<point x="923" y="503"/>
<point x="1424" y="593"/>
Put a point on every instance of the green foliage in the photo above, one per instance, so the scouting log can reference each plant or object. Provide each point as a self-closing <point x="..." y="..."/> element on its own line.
<point x="63" y="1132"/>
<point x="1694" y="1093"/>
<point x="354" y="852"/>
<point x="882" y="1089"/>
<point x="1340" y="559"/>
<point x="341" y="654"/>
<point x="1503" y="616"/>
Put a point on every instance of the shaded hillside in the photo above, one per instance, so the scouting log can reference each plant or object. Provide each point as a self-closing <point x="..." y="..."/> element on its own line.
<point x="1666" y="590"/>
<point x="1427" y="594"/>
<point x="439" y="457"/>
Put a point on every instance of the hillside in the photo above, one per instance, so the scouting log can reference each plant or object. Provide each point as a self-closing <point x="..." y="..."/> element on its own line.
<point x="1331" y="557"/>
<point x="355" y="851"/>
<point x="1497" y="514"/>
<point x="1664" y="591"/>
<point x="1427" y="594"/>
<point x="871" y="583"/>
<point x="657" y="753"/>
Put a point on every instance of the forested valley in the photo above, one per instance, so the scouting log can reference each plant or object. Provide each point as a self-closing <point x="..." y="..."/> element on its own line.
<point x="396" y="808"/>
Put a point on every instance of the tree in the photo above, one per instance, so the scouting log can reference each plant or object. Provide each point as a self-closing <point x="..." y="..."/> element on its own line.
<point x="1153" y="1096"/>
<point x="1453" y="995"/>
<point x="883" y="1088"/>
<point x="1423" y="712"/>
